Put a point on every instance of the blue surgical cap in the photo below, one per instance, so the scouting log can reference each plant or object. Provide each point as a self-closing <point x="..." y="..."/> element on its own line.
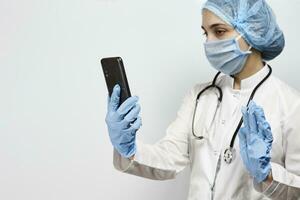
<point x="255" y="20"/>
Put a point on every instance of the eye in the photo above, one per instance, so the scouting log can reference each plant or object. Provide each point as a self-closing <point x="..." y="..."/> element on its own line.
<point x="204" y="33"/>
<point x="220" y="32"/>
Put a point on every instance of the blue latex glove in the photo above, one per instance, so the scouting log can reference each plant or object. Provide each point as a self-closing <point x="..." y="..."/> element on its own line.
<point x="123" y="122"/>
<point x="256" y="139"/>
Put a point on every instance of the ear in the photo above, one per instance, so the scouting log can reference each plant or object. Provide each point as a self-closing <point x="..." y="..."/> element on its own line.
<point x="244" y="46"/>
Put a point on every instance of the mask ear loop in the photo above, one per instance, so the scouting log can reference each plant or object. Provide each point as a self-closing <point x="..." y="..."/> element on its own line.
<point x="250" y="47"/>
<point x="239" y="37"/>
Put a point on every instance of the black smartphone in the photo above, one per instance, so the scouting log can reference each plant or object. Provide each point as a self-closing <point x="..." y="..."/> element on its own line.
<point x="114" y="73"/>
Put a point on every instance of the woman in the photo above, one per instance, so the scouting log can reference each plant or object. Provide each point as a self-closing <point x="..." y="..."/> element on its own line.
<point x="241" y="138"/>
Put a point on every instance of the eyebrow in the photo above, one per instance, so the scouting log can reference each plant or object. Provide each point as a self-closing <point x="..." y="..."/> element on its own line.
<point x="214" y="25"/>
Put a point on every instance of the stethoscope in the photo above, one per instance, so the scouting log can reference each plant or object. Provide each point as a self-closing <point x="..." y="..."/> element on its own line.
<point x="229" y="152"/>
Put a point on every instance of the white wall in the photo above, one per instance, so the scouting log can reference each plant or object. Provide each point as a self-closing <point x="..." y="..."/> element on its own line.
<point x="53" y="138"/>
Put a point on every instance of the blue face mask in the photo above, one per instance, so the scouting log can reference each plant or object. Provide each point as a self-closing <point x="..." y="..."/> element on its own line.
<point x="226" y="55"/>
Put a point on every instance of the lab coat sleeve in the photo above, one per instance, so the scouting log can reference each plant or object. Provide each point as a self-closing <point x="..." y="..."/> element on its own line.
<point x="286" y="179"/>
<point x="167" y="157"/>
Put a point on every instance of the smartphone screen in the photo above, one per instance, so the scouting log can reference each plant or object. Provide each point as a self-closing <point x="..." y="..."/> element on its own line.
<point x="114" y="73"/>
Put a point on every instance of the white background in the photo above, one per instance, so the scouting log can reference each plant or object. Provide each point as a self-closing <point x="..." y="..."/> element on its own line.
<point x="53" y="138"/>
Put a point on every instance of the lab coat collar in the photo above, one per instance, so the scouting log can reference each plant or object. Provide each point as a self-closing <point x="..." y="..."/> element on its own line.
<point x="251" y="81"/>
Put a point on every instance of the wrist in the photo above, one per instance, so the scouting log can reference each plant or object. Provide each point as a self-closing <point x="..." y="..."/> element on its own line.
<point x="132" y="157"/>
<point x="269" y="178"/>
<point x="264" y="176"/>
<point x="129" y="152"/>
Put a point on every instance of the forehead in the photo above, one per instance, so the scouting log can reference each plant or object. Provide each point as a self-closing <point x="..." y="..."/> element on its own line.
<point x="209" y="18"/>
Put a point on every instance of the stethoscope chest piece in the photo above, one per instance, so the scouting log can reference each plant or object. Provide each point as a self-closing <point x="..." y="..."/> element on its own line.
<point x="229" y="154"/>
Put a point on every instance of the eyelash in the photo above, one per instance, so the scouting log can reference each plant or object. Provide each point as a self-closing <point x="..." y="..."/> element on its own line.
<point x="217" y="32"/>
<point x="220" y="31"/>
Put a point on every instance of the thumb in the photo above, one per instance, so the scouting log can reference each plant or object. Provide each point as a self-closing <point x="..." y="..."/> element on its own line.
<point x="114" y="100"/>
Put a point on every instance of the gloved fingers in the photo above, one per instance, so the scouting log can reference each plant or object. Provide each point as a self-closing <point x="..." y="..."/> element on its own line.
<point x="114" y="99"/>
<point x="259" y="111"/>
<point x="135" y="125"/>
<point x="266" y="131"/>
<point x="130" y="117"/>
<point x="252" y="118"/>
<point x="133" y="113"/>
<point x="264" y="125"/>
<point x="246" y="130"/>
<point x="128" y="127"/>
<point x="245" y="117"/>
<point x="127" y="105"/>
<point x="260" y="119"/>
<point x="129" y="141"/>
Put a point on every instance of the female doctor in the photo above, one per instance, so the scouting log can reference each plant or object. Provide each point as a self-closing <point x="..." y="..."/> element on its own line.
<point x="239" y="133"/>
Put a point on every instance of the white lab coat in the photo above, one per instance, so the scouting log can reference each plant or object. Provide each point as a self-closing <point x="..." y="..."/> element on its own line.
<point x="170" y="155"/>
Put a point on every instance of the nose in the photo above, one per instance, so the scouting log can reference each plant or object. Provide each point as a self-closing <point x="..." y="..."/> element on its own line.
<point x="210" y="37"/>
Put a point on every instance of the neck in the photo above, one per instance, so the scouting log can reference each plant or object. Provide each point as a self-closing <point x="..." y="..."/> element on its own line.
<point x="253" y="64"/>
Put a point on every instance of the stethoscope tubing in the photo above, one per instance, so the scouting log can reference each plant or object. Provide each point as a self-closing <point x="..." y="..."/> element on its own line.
<point x="213" y="85"/>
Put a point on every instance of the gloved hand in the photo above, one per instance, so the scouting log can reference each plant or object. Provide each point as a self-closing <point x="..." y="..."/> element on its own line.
<point x="256" y="139"/>
<point x="123" y="122"/>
